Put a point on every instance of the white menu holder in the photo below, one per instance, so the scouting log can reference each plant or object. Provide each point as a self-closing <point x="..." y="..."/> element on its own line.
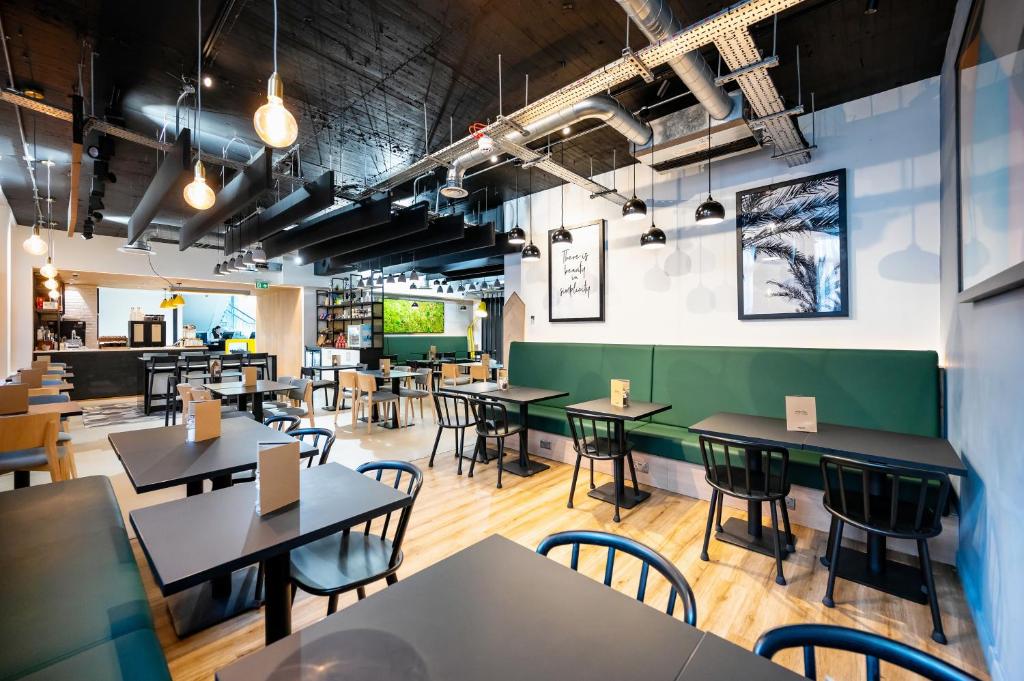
<point x="801" y="414"/>
<point x="249" y="375"/>
<point x="502" y="379"/>
<point x="203" y="421"/>
<point x="620" y="392"/>
<point x="277" y="476"/>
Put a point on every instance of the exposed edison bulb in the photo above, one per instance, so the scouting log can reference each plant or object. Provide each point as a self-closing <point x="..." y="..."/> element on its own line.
<point x="51" y="284"/>
<point x="48" y="270"/>
<point x="35" y="245"/>
<point x="274" y="123"/>
<point x="198" y="194"/>
<point x="54" y="294"/>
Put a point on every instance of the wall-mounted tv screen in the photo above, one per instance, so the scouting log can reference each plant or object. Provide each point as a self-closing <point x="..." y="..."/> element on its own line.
<point x="413" y="316"/>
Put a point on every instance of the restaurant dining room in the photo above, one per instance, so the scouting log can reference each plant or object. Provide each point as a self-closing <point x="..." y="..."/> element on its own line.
<point x="452" y="340"/>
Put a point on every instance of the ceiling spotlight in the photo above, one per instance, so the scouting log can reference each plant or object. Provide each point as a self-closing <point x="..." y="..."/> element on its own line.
<point x="297" y="260"/>
<point x="871" y="7"/>
<point x="207" y="81"/>
<point x="33" y="93"/>
<point x="494" y="159"/>
<point x="516" y="236"/>
<point x="566" y="130"/>
<point x="140" y="247"/>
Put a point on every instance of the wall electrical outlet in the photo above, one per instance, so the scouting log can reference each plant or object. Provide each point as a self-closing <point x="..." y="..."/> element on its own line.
<point x="643" y="467"/>
<point x="545" y="444"/>
<point x="791" y="503"/>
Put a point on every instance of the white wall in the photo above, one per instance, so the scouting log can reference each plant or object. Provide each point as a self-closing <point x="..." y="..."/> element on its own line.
<point x="686" y="293"/>
<point x="115" y="306"/>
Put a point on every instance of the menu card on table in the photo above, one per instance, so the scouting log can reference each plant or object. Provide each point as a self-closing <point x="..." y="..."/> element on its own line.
<point x="203" y="422"/>
<point x="249" y="375"/>
<point x="801" y="414"/>
<point x="620" y="392"/>
<point x="277" y="476"/>
<point x="485" y="361"/>
<point x="13" y="398"/>
<point x="41" y="364"/>
<point x="385" y="367"/>
<point x="33" y="378"/>
<point x="216" y="369"/>
<point x="502" y="379"/>
<point x="432" y="353"/>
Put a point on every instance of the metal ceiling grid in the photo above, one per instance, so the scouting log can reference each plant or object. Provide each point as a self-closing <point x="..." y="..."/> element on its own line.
<point x="547" y="165"/>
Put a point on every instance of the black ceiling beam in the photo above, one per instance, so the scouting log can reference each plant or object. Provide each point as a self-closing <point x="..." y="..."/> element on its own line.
<point x="310" y="198"/>
<point x="438" y="232"/>
<point x="404" y="224"/>
<point x="494" y="269"/>
<point x="247" y="186"/>
<point x="170" y="180"/>
<point x="501" y="247"/>
<point x="473" y="237"/>
<point x="333" y="225"/>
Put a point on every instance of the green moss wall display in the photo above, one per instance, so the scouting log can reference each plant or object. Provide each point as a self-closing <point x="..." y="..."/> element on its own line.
<point x="401" y="317"/>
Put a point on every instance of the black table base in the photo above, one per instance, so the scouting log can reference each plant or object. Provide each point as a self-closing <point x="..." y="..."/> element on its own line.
<point x="606" y="493"/>
<point x="213" y="602"/>
<point x="896" y="579"/>
<point x="278" y="616"/>
<point x="737" y="532"/>
<point x="516" y="467"/>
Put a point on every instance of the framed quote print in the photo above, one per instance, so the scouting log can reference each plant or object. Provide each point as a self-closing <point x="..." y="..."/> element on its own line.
<point x="576" y="275"/>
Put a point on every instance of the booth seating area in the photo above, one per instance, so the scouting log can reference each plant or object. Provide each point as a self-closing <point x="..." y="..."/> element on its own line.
<point x="406" y="347"/>
<point x="81" y="613"/>
<point x="892" y="390"/>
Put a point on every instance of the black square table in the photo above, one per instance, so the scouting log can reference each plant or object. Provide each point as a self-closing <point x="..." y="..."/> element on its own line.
<point x="190" y="541"/>
<point x="157" y="458"/>
<point x="452" y="621"/>
<point x="241" y="391"/>
<point x="396" y="377"/>
<point x="331" y="368"/>
<point x="865" y="444"/>
<point x="523" y="396"/>
<point x="634" y="412"/>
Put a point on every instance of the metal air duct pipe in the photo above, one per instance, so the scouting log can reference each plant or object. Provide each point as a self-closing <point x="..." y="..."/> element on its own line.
<point x="601" y="107"/>
<point x="656" y="21"/>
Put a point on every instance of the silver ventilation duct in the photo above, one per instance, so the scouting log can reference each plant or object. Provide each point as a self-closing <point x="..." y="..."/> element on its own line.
<point x="656" y="21"/>
<point x="601" y="107"/>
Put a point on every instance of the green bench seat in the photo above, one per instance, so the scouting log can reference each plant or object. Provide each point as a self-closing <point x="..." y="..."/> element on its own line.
<point x="407" y="347"/>
<point x="893" y="390"/>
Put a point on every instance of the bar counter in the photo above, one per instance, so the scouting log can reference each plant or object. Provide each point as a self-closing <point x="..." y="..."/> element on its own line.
<point x="110" y="372"/>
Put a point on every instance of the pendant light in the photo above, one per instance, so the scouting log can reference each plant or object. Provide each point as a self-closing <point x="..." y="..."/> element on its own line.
<point x="516" y="235"/>
<point x="530" y="251"/>
<point x="34" y="245"/>
<point x="450" y="289"/>
<point x="259" y="256"/>
<point x="562" y="238"/>
<point x="710" y="212"/>
<point x="273" y="122"/>
<point x="54" y="294"/>
<point x="198" y="194"/>
<point x="51" y="284"/>
<point x="216" y="271"/>
<point x="634" y="209"/>
<point x="415" y="304"/>
<point x="653" y="238"/>
<point x="48" y="270"/>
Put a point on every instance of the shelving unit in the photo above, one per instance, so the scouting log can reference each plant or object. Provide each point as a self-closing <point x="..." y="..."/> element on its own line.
<point x="346" y="303"/>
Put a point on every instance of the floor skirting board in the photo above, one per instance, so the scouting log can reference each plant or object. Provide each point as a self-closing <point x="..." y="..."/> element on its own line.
<point x="686" y="478"/>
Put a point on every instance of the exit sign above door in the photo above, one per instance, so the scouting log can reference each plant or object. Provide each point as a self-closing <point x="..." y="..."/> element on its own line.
<point x="262" y="284"/>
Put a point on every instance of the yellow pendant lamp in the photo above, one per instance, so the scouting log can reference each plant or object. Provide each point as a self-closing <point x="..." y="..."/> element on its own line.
<point x="273" y="122"/>
<point x="197" y="193"/>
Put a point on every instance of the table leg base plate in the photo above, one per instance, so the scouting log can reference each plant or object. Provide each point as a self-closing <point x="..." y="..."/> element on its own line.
<point x="606" y="493"/>
<point x="512" y="465"/>
<point x="197" y="608"/>
<point x="735" y="533"/>
<point x="896" y="579"/>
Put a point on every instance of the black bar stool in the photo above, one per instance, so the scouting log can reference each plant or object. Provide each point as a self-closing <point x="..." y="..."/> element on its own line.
<point x="158" y="364"/>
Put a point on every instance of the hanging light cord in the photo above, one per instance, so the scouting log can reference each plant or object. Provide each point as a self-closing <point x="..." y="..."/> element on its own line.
<point x="517" y="197"/>
<point x="709" y="155"/>
<point x="529" y="207"/>
<point x="563" y="188"/>
<point x="275" y="36"/>
<point x="634" y="169"/>
<point x="652" y="185"/>
<point x="199" y="75"/>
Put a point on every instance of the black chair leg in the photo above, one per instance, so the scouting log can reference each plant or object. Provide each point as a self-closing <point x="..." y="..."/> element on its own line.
<point x="632" y="472"/>
<point x="361" y="592"/>
<point x="592" y="475"/>
<point x="933" y="598"/>
<point x="480" y="442"/>
<point x="617" y="475"/>
<point x="575" y="474"/>
<point x="718" y="513"/>
<point x="779" y="577"/>
<point x="391" y="579"/>
<point x="837" y="542"/>
<point x="790" y="539"/>
<point x="501" y="458"/>
<point x="826" y="559"/>
<point x="707" y="531"/>
<point x="433" y="452"/>
<point x="332" y="604"/>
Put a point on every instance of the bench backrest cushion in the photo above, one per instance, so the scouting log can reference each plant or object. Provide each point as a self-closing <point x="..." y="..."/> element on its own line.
<point x="412" y="347"/>
<point x="585" y="370"/>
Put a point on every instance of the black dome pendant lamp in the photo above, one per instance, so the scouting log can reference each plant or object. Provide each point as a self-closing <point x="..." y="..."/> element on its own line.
<point x="530" y="251"/>
<point x="710" y="212"/>
<point x="634" y="209"/>
<point x="653" y="238"/>
<point x="562" y="237"/>
<point x="516" y="235"/>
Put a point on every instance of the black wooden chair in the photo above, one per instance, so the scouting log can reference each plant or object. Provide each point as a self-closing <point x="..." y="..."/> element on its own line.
<point x="752" y="472"/>
<point x="492" y="422"/>
<point x="283" y="422"/>
<point x="260" y="360"/>
<point x="891" y="501"/>
<point x="453" y="413"/>
<point x="597" y="439"/>
<point x="351" y="560"/>
<point x="872" y="646"/>
<point x="647" y="556"/>
<point x="321" y="438"/>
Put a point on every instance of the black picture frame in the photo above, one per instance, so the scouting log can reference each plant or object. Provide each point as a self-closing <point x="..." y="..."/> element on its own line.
<point x="844" y="275"/>
<point x="601" y="225"/>
<point x="1012" y="277"/>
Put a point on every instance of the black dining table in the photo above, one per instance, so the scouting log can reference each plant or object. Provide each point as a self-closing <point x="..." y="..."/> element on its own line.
<point x="189" y="542"/>
<point x="523" y="396"/>
<point x="396" y="376"/>
<point x="330" y="369"/>
<point x="242" y="391"/>
<point x="159" y="458"/>
<point x="870" y="568"/>
<point x="452" y="621"/>
<point x="635" y="411"/>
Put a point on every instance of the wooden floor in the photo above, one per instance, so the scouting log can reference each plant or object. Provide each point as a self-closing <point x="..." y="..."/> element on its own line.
<point x="737" y="597"/>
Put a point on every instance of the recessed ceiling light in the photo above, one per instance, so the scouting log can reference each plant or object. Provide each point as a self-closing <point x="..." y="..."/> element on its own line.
<point x="207" y="81"/>
<point x="566" y="130"/>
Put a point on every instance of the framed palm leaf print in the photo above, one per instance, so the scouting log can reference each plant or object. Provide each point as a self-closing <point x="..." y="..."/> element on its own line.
<point x="791" y="249"/>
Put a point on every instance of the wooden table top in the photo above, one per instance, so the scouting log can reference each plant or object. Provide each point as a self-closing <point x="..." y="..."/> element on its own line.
<point x="62" y="408"/>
